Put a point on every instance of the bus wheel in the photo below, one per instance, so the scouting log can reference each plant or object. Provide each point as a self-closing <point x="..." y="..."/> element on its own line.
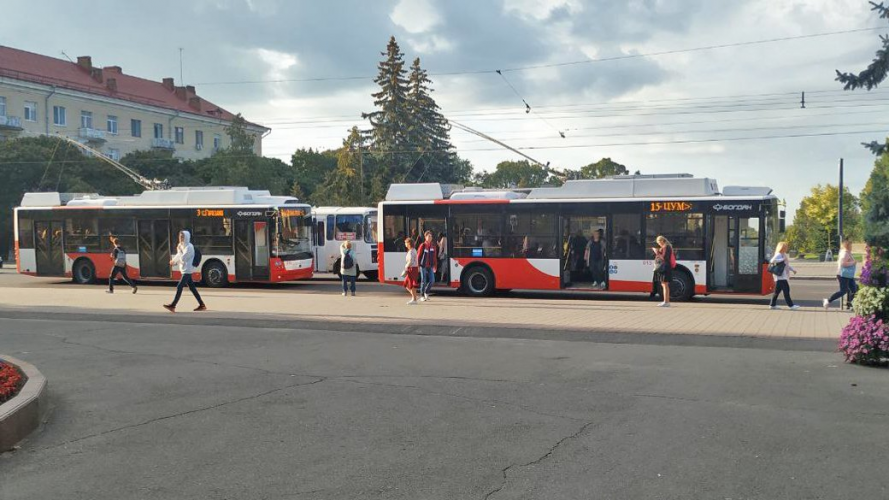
<point x="682" y="286"/>
<point x="84" y="272"/>
<point x="214" y="274"/>
<point x="372" y="275"/>
<point x="478" y="281"/>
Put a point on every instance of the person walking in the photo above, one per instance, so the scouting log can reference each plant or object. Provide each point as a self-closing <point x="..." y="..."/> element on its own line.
<point x="664" y="260"/>
<point x="184" y="257"/>
<point x="119" y="259"/>
<point x="595" y="257"/>
<point x="411" y="271"/>
<point x="846" y="265"/>
<point x="348" y="269"/>
<point x="427" y="256"/>
<point x="780" y="267"/>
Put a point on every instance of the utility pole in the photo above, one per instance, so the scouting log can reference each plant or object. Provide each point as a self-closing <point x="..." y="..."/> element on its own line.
<point x="840" y="215"/>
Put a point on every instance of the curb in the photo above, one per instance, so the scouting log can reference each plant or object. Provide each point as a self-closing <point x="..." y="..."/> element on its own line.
<point x="22" y="414"/>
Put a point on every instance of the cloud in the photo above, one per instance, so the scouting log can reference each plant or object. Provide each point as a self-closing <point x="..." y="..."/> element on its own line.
<point x="415" y="16"/>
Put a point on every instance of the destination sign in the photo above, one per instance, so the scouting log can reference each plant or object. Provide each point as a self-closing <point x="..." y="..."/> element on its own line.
<point x="671" y="206"/>
<point x="204" y="212"/>
<point x="291" y="212"/>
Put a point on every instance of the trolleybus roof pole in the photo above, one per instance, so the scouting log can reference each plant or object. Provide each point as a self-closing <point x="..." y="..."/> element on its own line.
<point x="149" y="184"/>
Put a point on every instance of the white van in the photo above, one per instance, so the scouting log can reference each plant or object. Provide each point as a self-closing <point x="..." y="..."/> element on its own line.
<point x="333" y="225"/>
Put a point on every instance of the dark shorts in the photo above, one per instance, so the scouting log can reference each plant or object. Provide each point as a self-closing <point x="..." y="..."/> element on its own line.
<point x="666" y="276"/>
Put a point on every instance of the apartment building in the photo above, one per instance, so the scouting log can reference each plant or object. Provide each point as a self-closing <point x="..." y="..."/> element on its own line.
<point x="107" y="109"/>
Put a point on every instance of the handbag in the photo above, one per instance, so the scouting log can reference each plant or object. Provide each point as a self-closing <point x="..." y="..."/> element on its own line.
<point x="777" y="268"/>
<point x="659" y="265"/>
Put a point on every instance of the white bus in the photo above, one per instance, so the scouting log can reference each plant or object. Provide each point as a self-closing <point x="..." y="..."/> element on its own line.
<point x="244" y="235"/>
<point x="333" y="225"/>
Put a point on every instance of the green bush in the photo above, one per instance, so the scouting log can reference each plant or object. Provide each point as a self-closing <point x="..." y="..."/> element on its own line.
<point x="870" y="301"/>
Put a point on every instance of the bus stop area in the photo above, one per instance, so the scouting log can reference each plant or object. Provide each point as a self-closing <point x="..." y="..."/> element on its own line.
<point x="377" y="305"/>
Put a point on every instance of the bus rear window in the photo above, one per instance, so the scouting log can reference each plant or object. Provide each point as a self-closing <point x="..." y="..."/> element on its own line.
<point x="26" y="232"/>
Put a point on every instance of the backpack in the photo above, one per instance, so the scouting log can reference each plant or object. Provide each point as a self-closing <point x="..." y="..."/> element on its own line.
<point x="196" y="261"/>
<point x="120" y="260"/>
<point x="348" y="261"/>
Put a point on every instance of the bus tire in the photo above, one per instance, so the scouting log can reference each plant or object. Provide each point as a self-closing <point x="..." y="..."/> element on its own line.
<point x="371" y="275"/>
<point x="477" y="281"/>
<point x="682" y="286"/>
<point x="214" y="274"/>
<point x="83" y="272"/>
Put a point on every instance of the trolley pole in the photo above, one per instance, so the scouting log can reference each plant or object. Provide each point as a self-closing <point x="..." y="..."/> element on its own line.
<point x="840" y="215"/>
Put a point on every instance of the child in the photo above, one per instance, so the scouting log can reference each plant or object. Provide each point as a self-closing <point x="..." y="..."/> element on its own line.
<point x="411" y="271"/>
<point x="119" y="260"/>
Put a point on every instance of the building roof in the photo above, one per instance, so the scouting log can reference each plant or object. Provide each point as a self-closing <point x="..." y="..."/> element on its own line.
<point x="108" y="81"/>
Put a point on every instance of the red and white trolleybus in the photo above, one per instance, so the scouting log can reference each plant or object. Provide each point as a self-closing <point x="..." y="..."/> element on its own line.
<point x="244" y="235"/>
<point x="537" y="239"/>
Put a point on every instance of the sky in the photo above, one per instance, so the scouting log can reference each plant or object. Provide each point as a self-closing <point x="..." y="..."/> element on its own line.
<point x="663" y="100"/>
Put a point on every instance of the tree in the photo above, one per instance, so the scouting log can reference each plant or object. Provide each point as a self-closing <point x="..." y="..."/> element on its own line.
<point x="817" y="216"/>
<point x="242" y="141"/>
<point x="160" y="164"/>
<point x="603" y="168"/>
<point x="343" y="185"/>
<point x="428" y="130"/>
<point x="236" y="168"/>
<point x="389" y="133"/>
<point x="873" y="75"/>
<point x="514" y="174"/>
<point x="310" y="169"/>
<point x="875" y="204"/>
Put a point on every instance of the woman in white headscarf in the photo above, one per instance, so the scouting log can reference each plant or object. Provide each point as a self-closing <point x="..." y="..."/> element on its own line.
<point x="185" y="257"/>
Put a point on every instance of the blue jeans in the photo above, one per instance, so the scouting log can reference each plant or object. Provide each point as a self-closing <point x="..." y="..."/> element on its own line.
<point x="848" y="287"/>
<point x="348" y="281"/>
<point x="427" y="279"/>
<point x="186" y="281"/>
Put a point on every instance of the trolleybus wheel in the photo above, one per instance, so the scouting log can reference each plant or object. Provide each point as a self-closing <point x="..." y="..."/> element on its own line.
<point x="682" y="286"/>
<point x="214" y="274"/>
<point x="83" y="272"/>
<point x="371" y="275"/>
<point x="478" y="281"/>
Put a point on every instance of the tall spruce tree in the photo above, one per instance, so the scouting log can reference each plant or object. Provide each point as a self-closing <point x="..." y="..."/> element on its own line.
<point x="428" y="131"/>
<point x="389" y="125"/>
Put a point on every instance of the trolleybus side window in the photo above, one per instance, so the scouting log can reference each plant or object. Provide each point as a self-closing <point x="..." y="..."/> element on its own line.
<point x="123" y="228"/>
<point x="477" y="234"/>
<point x="370" y="228"/>
<point x="26" y="231"/>
<point x="330" y="227"/>
<point x="213" y="235"/>
<point x="628" y="242"/>
<point x="82" y="235"/>
<point x="684" y="230"/>
<point x="748" y="247"/>
<point x="393" y="233"/>
<point x="531" y="234"/>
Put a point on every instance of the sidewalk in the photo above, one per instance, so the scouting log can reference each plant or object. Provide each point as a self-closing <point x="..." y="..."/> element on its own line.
<point x="606" y="316"/>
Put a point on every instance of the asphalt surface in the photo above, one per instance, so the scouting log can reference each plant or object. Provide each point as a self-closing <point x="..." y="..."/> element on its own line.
<point x="191" y="409"/>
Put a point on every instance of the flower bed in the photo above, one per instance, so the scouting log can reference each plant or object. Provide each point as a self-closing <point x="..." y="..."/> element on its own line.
<point x="11" y="381"/>
<point x="865" y="340"/>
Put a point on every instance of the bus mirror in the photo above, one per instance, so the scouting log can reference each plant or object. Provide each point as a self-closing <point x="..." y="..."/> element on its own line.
<point x="782" y="214"/>
<point x="782" y="225"/>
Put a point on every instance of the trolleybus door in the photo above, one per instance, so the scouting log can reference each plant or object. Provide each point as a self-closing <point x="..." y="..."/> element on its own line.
<point x="48" y="243"/>
<point x="577" y="234"/>
<point x="251" y="250"/>
<point x="734" y="254"/>
<point x="154" y="248"/>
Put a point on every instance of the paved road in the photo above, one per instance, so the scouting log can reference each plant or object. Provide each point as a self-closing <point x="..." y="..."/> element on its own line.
<point x="186" y="410"/>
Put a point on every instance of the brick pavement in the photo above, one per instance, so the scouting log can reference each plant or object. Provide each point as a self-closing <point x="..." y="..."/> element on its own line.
<point x="609" y="316"/>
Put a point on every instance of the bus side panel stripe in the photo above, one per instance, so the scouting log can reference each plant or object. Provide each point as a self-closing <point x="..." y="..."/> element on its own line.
<point x="519" y="273"/>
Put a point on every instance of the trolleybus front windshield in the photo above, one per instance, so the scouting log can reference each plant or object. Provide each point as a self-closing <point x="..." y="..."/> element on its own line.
<point x="295" y="235"/>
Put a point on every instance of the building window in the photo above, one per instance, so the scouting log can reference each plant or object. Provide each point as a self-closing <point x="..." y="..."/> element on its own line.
<point x="59" y="116"/>
<point x="684" y="231"/>
<point x="30" y="111"/>
<point x="217" y="142"/>
<point x="2" y="106"/>
<point x="86" y="119"/>
<point x="112" y="125"/>
<point x="158" y="131"/>
<point x="136" y="128"/>
<point x="114" y="154"/>
<point x="179" y="134"/>
<point x="199" y="139"/>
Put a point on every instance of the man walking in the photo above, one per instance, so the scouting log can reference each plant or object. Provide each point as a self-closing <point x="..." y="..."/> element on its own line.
<point x="427" y="257"/>
<point x="119" y="258"/>
<point x="185" y="257"/>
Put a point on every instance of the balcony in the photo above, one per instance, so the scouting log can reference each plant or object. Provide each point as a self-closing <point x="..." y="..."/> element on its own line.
<point x="92" y="135"/>
<point x="161" y="143"/>
<point x="10" y="123"/>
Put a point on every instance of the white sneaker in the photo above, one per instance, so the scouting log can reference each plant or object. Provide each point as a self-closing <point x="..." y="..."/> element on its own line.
<point x="794" y="307"/>
<point x="412" y="302"/>
<point x="423" y="299"/>
<point x="426" y="297"/>
<point x="664" y="304"/>
<point x="601" y="286"/>
<point x="826" y="304"/>
<point x="773" y="307"/>
<point x="344" y="294"/>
